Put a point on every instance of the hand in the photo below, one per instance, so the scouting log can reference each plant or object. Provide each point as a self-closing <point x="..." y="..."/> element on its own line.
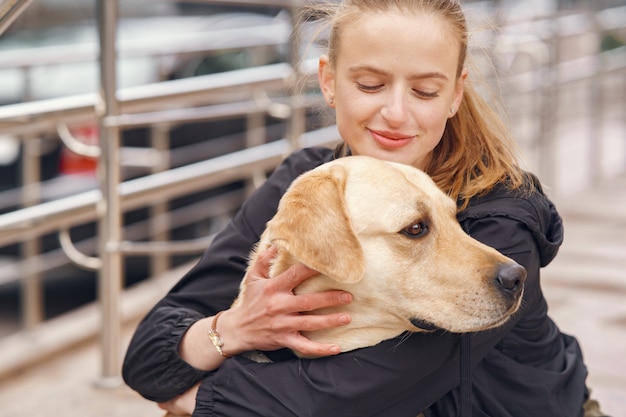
<point x="182" y="405"/>
<point x="270" y="316"/>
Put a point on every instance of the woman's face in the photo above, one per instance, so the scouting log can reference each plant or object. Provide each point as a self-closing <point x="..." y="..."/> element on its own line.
<point x="394" y="85"/>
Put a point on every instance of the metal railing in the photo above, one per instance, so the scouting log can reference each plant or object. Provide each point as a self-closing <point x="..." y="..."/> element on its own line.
<point x="237" y="93"/>
<point x="81" y="208"/>
<point x="563" y="55"/>
<point x="10" y="10"/>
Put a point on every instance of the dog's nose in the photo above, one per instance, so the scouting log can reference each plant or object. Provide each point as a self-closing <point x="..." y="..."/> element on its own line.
<point x="510" y="278"/>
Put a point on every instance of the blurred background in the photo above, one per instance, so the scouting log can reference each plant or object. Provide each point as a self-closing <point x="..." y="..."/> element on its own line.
<point x="198" y="102"/>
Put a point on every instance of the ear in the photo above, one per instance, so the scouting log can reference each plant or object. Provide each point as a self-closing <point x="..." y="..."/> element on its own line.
<point x="326" y="79"/>
<point x="459" y="89"/>
<point x="313" y="226"/>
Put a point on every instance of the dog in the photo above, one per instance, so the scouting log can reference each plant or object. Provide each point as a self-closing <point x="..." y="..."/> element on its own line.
<point x="386" y="233"/>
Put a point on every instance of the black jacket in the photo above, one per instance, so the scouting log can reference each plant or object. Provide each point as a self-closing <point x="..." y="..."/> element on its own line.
<point x="525" y="368"/>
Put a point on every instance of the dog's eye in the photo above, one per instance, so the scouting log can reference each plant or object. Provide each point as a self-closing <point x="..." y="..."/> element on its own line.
<point x="415" y="230"/>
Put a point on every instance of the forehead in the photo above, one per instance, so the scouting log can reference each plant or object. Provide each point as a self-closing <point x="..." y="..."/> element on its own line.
<point x="413" y="41"/>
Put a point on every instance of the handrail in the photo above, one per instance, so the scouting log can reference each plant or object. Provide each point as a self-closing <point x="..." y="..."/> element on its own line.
<point x="74" y="144"/>
<point x="237" y="85"/>
<point x="276" y="108"/>
<point x="76" y="256"/>
<point x="80" y="208"/>
<point x="212" y="41"/>
<point x="217" y="206"/>
<point x="572" y="70"/>
<point x="10" y="10"/>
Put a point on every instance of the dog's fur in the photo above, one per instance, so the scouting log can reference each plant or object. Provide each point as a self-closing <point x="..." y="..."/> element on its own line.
<point x="387" y="234"/>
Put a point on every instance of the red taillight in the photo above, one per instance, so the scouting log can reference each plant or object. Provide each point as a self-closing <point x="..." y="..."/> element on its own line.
<point x="74" y="164"/>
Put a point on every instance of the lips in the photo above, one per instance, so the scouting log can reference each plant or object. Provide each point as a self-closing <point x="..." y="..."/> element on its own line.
<point x="391" y="140"/>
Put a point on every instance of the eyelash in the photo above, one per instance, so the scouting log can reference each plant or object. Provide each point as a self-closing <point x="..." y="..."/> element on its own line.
<point x="368" y="88"/>
<point x="374" y="88"/>
<point x="426" y="95"/>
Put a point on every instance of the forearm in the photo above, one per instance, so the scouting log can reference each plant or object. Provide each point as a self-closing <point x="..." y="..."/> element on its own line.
<point x="198" y="350"/>
<point x="410" y="372"/>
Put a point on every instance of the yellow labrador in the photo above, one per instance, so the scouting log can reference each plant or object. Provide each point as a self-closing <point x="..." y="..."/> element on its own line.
<point x="387" y="234"/>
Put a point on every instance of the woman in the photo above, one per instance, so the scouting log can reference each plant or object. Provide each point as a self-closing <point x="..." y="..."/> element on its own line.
<point x="395" y="75"/>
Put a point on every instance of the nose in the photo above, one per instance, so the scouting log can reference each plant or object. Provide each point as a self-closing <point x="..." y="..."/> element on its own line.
<point x="510" y="278"/>
<point x="394" y="110"/>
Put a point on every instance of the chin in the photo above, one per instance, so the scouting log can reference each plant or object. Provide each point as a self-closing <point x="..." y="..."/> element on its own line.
<point x="401" y="156"/>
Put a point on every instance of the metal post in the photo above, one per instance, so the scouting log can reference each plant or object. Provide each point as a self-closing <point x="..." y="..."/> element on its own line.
<point x="297" y="122"/>
<point x="159" y="217"/>
<point x="11" y="10"/>
<point x="255" y="136"/>
<point x="32" y="291"/>
<point x="110" y="226"/>
<point x="596" y="130"/>
<point x="549" y="113"/>
<point x="32" y="286"/>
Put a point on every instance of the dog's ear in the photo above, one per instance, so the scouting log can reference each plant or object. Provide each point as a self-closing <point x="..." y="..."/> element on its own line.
<point x="312" y="224"/>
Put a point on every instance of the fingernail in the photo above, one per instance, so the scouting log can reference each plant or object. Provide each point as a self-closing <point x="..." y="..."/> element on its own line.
<point x="345" y="298"/>
<point x="335" y="350"/>
<point x="344" y="319"/>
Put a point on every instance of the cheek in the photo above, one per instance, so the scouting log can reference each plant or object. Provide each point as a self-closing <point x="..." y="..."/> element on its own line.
<point x="353" y="109"/>
<point x="432" y="115"/>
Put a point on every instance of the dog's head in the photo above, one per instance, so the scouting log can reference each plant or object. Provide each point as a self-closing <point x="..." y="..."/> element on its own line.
<point x="386" y="233"/>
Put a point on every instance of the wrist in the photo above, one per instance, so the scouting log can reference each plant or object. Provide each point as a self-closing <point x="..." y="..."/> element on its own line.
<point x="229" y="332"/>
<point x="216" y="338"/>
<point x="196" y="347"/>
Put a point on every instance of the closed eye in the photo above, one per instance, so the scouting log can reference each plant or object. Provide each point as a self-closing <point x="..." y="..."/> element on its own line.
<point x="368" y="88"/>
<point x="426" y="95"/>
<point x="415" y="230"/>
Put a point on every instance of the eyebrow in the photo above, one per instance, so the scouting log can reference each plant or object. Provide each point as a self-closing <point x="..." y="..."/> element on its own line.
<point x="417" y="76"/>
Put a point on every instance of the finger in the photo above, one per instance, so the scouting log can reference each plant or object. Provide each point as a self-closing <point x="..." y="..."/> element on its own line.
<point x="262" y="265"/>
<point x="306" y="347"/>
<point x="166" y="406"/>
<point x="317" y="300"/>
<point x="313" y="322"/>
<point x="169" y="408"/>
<point x="292" y="277"/>
<point x="267" y="255"/>
<point x="170" y="414"/>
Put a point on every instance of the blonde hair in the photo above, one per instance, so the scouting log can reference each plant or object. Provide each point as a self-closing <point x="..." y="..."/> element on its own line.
<point x="476" y="151"/>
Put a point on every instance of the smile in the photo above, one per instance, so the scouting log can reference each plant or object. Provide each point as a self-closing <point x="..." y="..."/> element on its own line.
<point x="390" y="139"/>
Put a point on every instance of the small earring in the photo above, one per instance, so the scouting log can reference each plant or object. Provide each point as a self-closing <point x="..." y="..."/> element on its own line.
<point x="331" y="101"/>
<point x="452" y="110"/>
